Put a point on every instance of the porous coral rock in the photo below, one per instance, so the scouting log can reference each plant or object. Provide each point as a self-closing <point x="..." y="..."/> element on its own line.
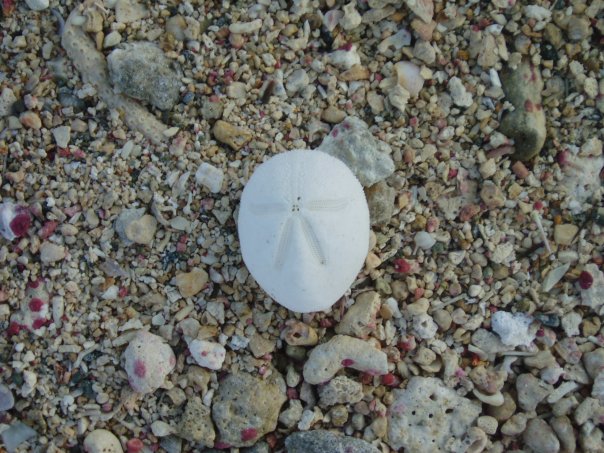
<point x="427" y="416"/>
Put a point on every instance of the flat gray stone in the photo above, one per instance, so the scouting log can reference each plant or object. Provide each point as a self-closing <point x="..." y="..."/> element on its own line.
<point x="353" y="143"/>
<point x="321" y="441"/>
<point x="142" y="71"/>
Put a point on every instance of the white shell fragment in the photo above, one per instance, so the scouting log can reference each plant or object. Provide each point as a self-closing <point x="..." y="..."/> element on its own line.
<point x="553" y="277"/>
<point x="148" y="361"/>
<point x="210" y="177"/>
<point x="304" y="229"/>
<point x="408" y="76"/>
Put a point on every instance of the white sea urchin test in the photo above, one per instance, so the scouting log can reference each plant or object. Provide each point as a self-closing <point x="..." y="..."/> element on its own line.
<point x="304" y="229"/>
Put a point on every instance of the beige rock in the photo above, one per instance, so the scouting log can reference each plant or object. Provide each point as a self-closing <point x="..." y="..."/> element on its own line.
<point x="424" y="30"/>
<point x="233" y="136"/>
<point x="359" y="320"/>
<point x="333" y="115"/>
<point x="196" y="423"/>
<point x="30" y="120"/>
<point x="142" y="230"/>
<point x="127" y="11"/>
<point x="540" y="437"/>
<point x="190" y="283"/>
<point x="504" y="411"/>
<point x="372" y="261"/>
<point x="261" y="346"/>
<point x="94" y="20"/>
<point x="492" y="195"/>
<point x="50" y="253"/>
<point x="564" y="233"/>
<point x="357" y="72"/>
<point x="488" y="168"/>
<point x="515" y="425"/>
<point x="297" y="333"/>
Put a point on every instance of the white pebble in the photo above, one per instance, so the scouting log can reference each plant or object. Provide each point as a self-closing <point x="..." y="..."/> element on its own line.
<point x="161" y="429"/>
<point x="62" y="135"/>
<point x="474" y="290"/>
<point x="424" y="240"/>
<point x="207" y="354"/>
<point x="571" y="322"/>
<point x="458" y="92"/>
<point x="344" y="59"/>
<point x="37" y="5"/>
<point x="306" y="421"/>
<point x="408" y="76"/>
<point x="7" y="99"/>
<point x="210" y="177"/>
<point x="424" y="326"/>
<point x="296" y="81"/>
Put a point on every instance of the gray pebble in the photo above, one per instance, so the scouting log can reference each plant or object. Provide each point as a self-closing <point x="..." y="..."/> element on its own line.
<point x="540" y="437"/>
<point x="142" y="71"/>
<point x="321" y="441"/>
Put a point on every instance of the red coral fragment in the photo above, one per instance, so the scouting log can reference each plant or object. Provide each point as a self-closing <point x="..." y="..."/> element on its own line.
<point x="20" y="223"/>
<point x="402" y="266"/>
<point x="585" y="280"/>
<point x="36" y="304"/>
<point x="248" y="434"/>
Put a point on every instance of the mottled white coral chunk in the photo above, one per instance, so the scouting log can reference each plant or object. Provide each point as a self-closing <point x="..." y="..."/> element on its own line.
<point x="207" y="353"/>
<point x="513" y="328"/>
<point x="148" y="360"/>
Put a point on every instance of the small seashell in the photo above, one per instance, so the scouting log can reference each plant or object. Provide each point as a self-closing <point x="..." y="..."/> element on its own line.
<point x="332" y="18"/>
<point x="492" y="400"/>
<point x="408" y="76"/>
<point x="553" y="277"/>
